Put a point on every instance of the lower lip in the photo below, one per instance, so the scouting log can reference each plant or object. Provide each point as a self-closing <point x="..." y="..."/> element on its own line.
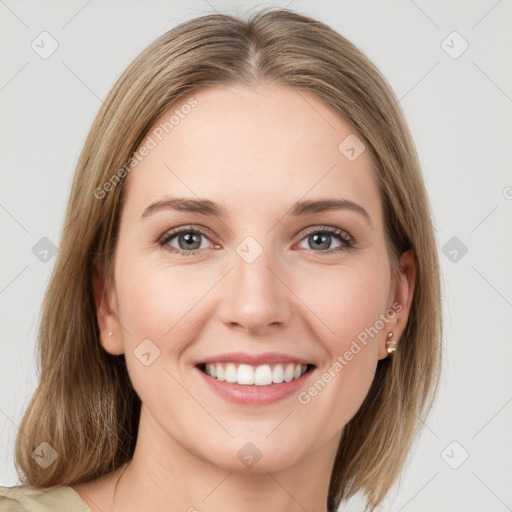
<point x="254" y="395"/>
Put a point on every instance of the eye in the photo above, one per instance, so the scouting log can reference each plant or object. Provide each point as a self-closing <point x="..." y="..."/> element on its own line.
<point x="188" y="240"/>
<point x="321" y="238"/>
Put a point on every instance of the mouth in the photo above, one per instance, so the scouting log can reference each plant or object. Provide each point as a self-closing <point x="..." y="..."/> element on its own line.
<point x="263" y="375"/>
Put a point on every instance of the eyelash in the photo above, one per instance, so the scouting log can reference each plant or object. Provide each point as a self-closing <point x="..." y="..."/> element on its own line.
<point x="339" y="234"/>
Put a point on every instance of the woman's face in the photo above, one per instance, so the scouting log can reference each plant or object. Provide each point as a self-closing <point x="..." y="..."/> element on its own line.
<point x="264" y="288"/>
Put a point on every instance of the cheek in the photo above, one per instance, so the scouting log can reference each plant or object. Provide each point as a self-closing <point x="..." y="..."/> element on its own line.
<point x="141" y="301"/>
<point x="166" y="305"/>
<point x="346" y="301"/>
<point x="156" y="309"/>
<point x="156" y="303"/>
<point x="350" y="304"/>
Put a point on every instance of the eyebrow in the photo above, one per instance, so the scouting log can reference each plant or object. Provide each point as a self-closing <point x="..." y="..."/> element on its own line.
<point x="211" y="208"/>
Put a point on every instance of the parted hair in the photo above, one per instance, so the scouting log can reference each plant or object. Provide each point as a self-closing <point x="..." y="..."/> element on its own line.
<point x="84" y="405"/>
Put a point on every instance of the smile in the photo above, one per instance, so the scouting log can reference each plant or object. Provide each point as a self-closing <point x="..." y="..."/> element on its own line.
<point x="254" y="379"/>
<point x="250" y="375"/>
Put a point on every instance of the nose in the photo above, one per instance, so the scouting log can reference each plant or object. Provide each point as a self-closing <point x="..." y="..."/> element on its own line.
<point x="255" y="296"/>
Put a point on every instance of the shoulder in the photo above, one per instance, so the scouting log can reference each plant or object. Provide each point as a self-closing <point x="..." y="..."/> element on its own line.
<point x="25" y="498"/>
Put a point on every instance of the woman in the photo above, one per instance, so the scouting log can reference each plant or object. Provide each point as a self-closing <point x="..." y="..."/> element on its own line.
<point x="245" y="311"/>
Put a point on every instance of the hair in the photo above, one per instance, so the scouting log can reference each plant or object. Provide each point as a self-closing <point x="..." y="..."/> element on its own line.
<point x="85" y="406"/>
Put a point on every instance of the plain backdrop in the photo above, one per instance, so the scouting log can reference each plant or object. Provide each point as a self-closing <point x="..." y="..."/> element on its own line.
<point x="450" y="64"/>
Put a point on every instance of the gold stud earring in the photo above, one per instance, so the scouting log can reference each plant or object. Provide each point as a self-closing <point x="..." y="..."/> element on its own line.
<point x="390" y="345"/>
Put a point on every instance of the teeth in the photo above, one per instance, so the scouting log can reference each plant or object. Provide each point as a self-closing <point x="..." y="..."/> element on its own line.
<point x="289" y="372"/>
<point x="245" y="374"/>
<point x="278" y="374"/>
<point x="231" y="375"/>
<point x="219" y="372"/>
<point x="263" y="375"/>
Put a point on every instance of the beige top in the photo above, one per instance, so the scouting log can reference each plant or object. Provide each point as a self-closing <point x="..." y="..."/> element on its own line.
<point x="24" y="498"/>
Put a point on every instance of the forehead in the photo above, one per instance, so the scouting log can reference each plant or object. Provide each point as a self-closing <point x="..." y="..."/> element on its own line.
<point x="252" y="147"/>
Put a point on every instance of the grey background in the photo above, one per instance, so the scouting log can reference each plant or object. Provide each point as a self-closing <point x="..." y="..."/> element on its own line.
<point x="460" y="113"/>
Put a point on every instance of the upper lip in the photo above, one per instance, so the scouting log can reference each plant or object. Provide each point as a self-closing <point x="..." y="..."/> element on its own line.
<point x="254" y="359"/>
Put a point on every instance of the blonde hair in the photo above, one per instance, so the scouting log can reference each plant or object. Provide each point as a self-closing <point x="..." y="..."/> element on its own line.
<point x="85" y="406"/>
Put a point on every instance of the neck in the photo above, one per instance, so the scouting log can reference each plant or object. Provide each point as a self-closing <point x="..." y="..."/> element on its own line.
<point x="174" y="479"/>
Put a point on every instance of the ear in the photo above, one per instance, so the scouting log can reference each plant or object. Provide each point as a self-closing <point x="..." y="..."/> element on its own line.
<point x="106" y="313"/>
<point x="402" y="299"/>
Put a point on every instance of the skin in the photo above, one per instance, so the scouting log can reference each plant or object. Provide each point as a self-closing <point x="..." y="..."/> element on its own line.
<point x="255" y="150"/>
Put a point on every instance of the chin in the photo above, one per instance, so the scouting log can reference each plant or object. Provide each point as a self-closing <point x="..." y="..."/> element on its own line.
<point x="257" y="454"/>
